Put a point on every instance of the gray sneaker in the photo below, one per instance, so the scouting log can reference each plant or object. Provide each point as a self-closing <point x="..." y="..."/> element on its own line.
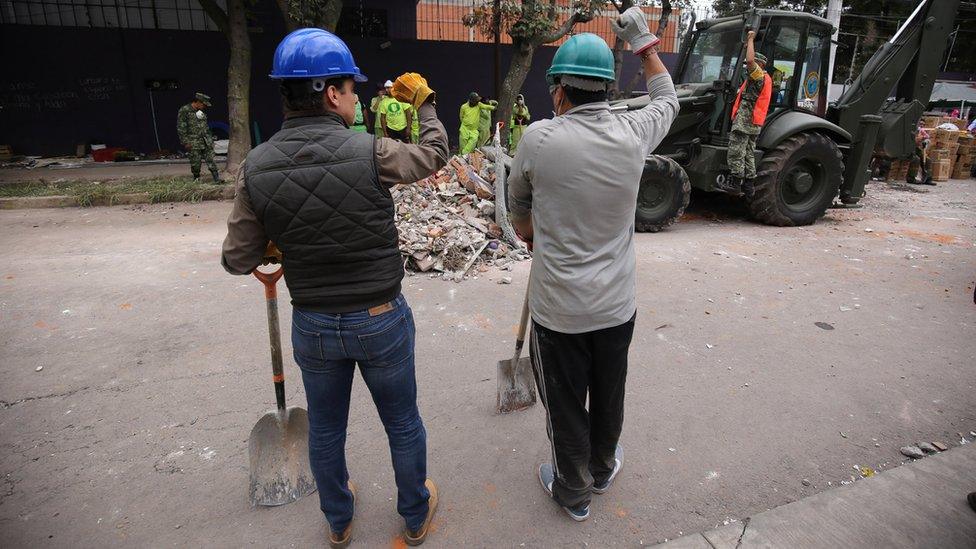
<point x="618" y="457"/>
<point x="547" y="477"/>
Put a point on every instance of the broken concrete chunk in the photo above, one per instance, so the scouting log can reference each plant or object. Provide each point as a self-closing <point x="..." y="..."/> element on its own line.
<point x="927" y="448"/>
<point x="913" y="452"/>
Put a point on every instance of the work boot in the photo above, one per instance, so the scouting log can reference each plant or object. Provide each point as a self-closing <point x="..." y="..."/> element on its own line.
<point x="749" y="187"/>
<point x="216" y="176"/>
<point x="419" y="536"/>
<point x="547" y="477"/>
<point x="618" y="459"/>
<point x="342" y="539"/>
<point x="733" y="185"/>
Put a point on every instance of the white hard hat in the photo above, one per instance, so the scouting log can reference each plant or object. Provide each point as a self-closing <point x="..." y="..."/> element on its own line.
<point x="388" y="84"/>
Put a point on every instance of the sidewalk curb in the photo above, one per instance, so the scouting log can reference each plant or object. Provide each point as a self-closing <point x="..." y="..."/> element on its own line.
<point x="65" y="201"/>
<point x="918" y="504"/>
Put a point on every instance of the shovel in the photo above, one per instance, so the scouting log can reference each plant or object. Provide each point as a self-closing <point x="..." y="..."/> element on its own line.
<point x="278" y="446"/>
<point x="516" y="386"/>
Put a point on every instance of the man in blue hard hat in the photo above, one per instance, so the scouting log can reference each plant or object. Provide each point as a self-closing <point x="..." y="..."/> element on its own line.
<point x="586" y="161"/>
<point x="320" y="191"/>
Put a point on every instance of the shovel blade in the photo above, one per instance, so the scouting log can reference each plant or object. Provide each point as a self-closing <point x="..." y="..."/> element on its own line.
<point x="516" y="386"/>
<point x="278" y="450"/>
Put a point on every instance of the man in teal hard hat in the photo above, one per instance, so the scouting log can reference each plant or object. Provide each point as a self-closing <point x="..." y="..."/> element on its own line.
<point x="572" y="196"/>
<point x="320" y="191"/>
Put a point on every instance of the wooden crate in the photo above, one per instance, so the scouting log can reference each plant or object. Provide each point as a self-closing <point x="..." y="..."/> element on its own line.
<point x="941" y="170"/>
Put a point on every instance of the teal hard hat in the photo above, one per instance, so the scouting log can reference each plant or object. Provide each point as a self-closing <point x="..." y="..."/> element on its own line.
<point x="585" y="55"/>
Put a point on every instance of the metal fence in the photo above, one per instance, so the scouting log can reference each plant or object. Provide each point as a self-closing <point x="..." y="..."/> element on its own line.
<point x="442" y="20"/>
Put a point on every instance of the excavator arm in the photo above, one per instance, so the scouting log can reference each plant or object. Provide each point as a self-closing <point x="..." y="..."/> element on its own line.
<point x="904" y="68"/>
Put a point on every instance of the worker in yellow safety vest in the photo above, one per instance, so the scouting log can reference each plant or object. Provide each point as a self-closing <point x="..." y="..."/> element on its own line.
<point x="520" y="119"/>
<point x="484" y="123"/>
<point x="396" y="119"/>
<point x="470" y="120"/>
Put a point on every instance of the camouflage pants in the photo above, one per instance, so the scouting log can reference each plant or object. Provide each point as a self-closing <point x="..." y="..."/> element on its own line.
<point x="742" y="154"/>
<point x="202" y="152"/>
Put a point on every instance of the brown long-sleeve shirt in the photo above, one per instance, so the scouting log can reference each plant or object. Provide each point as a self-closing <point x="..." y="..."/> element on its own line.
<point x="396" y="162"/>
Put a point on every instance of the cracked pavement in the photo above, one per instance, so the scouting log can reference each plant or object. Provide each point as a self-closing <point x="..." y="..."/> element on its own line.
<point x="762" y="356"/>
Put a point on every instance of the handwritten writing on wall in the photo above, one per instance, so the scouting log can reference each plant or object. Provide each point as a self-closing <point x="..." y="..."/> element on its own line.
<point x="31" y="97"/>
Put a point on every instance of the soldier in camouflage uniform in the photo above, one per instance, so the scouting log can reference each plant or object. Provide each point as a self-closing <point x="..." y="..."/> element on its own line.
<point x="195" y="136"/>
<point x="750" y="108"/>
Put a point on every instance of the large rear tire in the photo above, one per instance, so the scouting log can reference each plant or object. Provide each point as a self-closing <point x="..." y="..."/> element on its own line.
<point x="797" y="181"/>
<point x="664" y="192"/>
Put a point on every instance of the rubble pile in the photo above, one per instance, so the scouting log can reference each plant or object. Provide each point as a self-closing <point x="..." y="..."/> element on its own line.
<point x="447" y="221"/>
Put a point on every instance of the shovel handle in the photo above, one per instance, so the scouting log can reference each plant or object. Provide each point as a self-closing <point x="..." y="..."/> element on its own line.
<point x="523" y="322"/>
<point x="270" y="281"/>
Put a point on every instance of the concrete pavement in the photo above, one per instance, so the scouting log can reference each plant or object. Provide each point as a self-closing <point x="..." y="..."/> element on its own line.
<point x="920" y="504"/>
<point x="762" y="356"/>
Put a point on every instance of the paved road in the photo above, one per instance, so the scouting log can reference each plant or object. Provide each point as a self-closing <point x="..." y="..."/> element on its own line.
<point x="155" y="367"/>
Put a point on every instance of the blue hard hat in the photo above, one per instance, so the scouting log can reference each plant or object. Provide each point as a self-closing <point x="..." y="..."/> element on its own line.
<point x="314" y="53"/>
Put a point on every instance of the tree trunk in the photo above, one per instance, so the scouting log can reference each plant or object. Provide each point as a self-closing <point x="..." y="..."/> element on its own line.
<point x="330" y="15"/>
<point x="238" y="86"/>
<point x="285" y="10"/>
<point x="522" y="53"/>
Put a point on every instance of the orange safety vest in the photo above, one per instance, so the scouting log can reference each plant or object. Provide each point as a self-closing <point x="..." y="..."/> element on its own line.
<point x="762" y="103"/>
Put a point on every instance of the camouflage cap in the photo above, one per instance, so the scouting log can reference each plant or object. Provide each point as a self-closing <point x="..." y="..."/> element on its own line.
<point x="203" y="98"/>
<point x="760" y="58"/>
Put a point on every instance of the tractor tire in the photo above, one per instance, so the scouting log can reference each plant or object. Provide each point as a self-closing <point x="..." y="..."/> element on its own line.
<point x="664" y="192"/>
<point x="797" y="181"/>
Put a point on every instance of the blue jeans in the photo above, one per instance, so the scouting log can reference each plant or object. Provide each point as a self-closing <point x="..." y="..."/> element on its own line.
<point x="327" y="349"/>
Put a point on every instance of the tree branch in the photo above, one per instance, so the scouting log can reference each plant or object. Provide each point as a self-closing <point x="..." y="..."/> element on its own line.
<point x="217" y="15"/>
<point x="290" y="22"/>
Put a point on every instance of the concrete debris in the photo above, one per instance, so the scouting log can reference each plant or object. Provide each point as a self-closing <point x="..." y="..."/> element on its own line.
<point x="927" y="448"/>
<point x="446" y="222"/>
<point x="912" y="451"/>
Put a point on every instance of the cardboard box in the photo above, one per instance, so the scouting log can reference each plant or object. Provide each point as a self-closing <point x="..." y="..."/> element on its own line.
<point x="940" y="170"/>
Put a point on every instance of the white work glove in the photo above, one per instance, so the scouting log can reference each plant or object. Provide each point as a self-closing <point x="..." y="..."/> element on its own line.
<point x="631" y="27"/>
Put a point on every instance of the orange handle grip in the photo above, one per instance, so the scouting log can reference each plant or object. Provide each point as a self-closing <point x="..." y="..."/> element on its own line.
<point x="270" y="281"/>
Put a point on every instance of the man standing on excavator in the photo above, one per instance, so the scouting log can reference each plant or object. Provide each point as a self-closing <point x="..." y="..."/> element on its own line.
<point x="748" y="117"/>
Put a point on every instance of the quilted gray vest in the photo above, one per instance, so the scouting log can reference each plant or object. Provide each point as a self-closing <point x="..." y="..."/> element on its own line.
<point x="315" y="188"/>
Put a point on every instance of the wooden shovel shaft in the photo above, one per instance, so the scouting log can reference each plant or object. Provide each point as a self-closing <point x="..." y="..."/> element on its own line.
<point x="523" y="322"/>
<point x="270" y="281"/>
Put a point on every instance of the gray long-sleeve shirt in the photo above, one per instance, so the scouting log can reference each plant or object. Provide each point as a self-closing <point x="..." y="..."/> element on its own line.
<point x="577" y="176"/>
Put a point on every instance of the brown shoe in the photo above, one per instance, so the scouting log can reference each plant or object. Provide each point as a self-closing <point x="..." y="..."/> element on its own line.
<point x="420" y="536"/>
<point x="338" y="541"/>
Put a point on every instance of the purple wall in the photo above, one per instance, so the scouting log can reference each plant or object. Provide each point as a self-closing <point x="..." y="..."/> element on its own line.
<point x="83" y="85"/>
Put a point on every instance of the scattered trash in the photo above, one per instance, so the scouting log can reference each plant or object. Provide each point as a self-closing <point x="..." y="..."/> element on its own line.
<point x="505" y="280"/>
<point x="446" y="221"/>
<point x="843" y="434"/>
<point x="869" y="230"/>
<point x="39" y="368"/>
<point x="805" y="482"/>
<point x="823" y="326"/>
<point x="866" y="472"/>
<point x="671" y="449"/>
<point x="912" y="451"/>
<point x="927" y="448"/>
<point x="844" y="309"/>
<point x="709" y="345"/>
<point x="940" y="446"/>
